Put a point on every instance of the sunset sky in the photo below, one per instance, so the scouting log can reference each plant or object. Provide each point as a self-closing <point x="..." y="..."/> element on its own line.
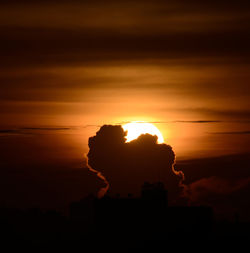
<point x="68" y="67"/>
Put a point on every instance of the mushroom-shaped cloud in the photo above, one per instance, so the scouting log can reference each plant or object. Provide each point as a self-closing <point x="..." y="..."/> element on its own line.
<point x="127" y="165"/>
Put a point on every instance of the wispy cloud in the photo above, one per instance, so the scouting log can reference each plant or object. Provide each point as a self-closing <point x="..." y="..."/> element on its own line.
<point x="174" y="121"/>
<point x="47" y="128"/>
<point x="197" y="121"/>
<point x="39" y="130"/>
<point x="9" y="132"/>
<point x="233" y="132"/>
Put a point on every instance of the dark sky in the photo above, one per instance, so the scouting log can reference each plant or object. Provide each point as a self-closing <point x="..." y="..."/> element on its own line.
<point x="68" y="67"/>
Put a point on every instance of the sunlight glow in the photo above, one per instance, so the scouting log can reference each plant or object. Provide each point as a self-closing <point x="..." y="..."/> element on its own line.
<point x="135" y="129"/>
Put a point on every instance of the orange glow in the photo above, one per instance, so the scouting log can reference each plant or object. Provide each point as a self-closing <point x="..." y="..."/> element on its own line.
<point x="135" y="129"/>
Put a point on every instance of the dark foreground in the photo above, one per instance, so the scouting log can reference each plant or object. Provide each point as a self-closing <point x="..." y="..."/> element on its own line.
<point x="123" y="225"/>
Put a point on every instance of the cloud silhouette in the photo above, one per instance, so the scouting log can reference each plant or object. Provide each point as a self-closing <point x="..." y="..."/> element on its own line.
<point x="221" y="182"/>
<point x="127" y="165"/>
<point x="227" y="197"/>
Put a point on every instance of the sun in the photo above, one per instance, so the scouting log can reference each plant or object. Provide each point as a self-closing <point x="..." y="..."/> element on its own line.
<point x="135" y="129"/>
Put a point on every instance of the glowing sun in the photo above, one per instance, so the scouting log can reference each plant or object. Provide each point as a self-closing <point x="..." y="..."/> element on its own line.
<point x="135" y="129"/>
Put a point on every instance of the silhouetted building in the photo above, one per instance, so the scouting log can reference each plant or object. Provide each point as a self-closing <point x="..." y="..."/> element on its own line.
<point x="82" y="215"/>
<point x="146" y="216"/>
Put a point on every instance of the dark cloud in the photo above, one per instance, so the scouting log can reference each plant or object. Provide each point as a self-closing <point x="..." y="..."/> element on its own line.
<point x="240" y="114"/>
<point x="11" y="132"/>
<point x="31" y="130"/>
<point x="197" y="121"/>
<point x="199" y="190"/>
<point x="126" y="166"/>
<point x="179" y="121"/>
<point x="44" y="47"/>
<point x="234" y="132"/>
<point x="218" y="114"/>
<point x="221" y="182"/>
<point x="229" y="167"/>
<point x="47" y="128"/>
<point x="8" y="131"/>
<point x="227" y="197"/>
<point x="93" y="31"/>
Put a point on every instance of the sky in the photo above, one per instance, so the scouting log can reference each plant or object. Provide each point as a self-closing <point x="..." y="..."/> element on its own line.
<point x="67" y="68"/>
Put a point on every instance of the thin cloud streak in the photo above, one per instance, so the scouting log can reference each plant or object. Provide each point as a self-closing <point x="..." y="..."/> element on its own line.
<point x="232" y="133"/>
<point x="39" y="130"/>
<point x="175" y="121"/>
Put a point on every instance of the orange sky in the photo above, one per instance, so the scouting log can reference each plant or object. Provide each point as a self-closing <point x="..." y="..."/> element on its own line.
<point x="76" y="64"/>
<point x="68" y="67"/>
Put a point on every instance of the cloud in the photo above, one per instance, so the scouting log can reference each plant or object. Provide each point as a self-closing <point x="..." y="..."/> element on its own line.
<point x="91" y="31"/>
<point x="198" y="190"/>
<point x="226" y="196"/>
<point x="228" y="167"/>
<point x="179" y="121"/>
<point x="47" y="128"/>
<point x="10" y="132"/>
<point x="77" y="50"/>
<point x="40" y="130"/>
<point x="31" y="130"/>
<point x="228" y="115"/>
<point x="126" y="166"/>
<point x="221" y="182"/>
<point x="197" y="121"/>
<point x="233" y="132"/>
<point x="216" y="115"/>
